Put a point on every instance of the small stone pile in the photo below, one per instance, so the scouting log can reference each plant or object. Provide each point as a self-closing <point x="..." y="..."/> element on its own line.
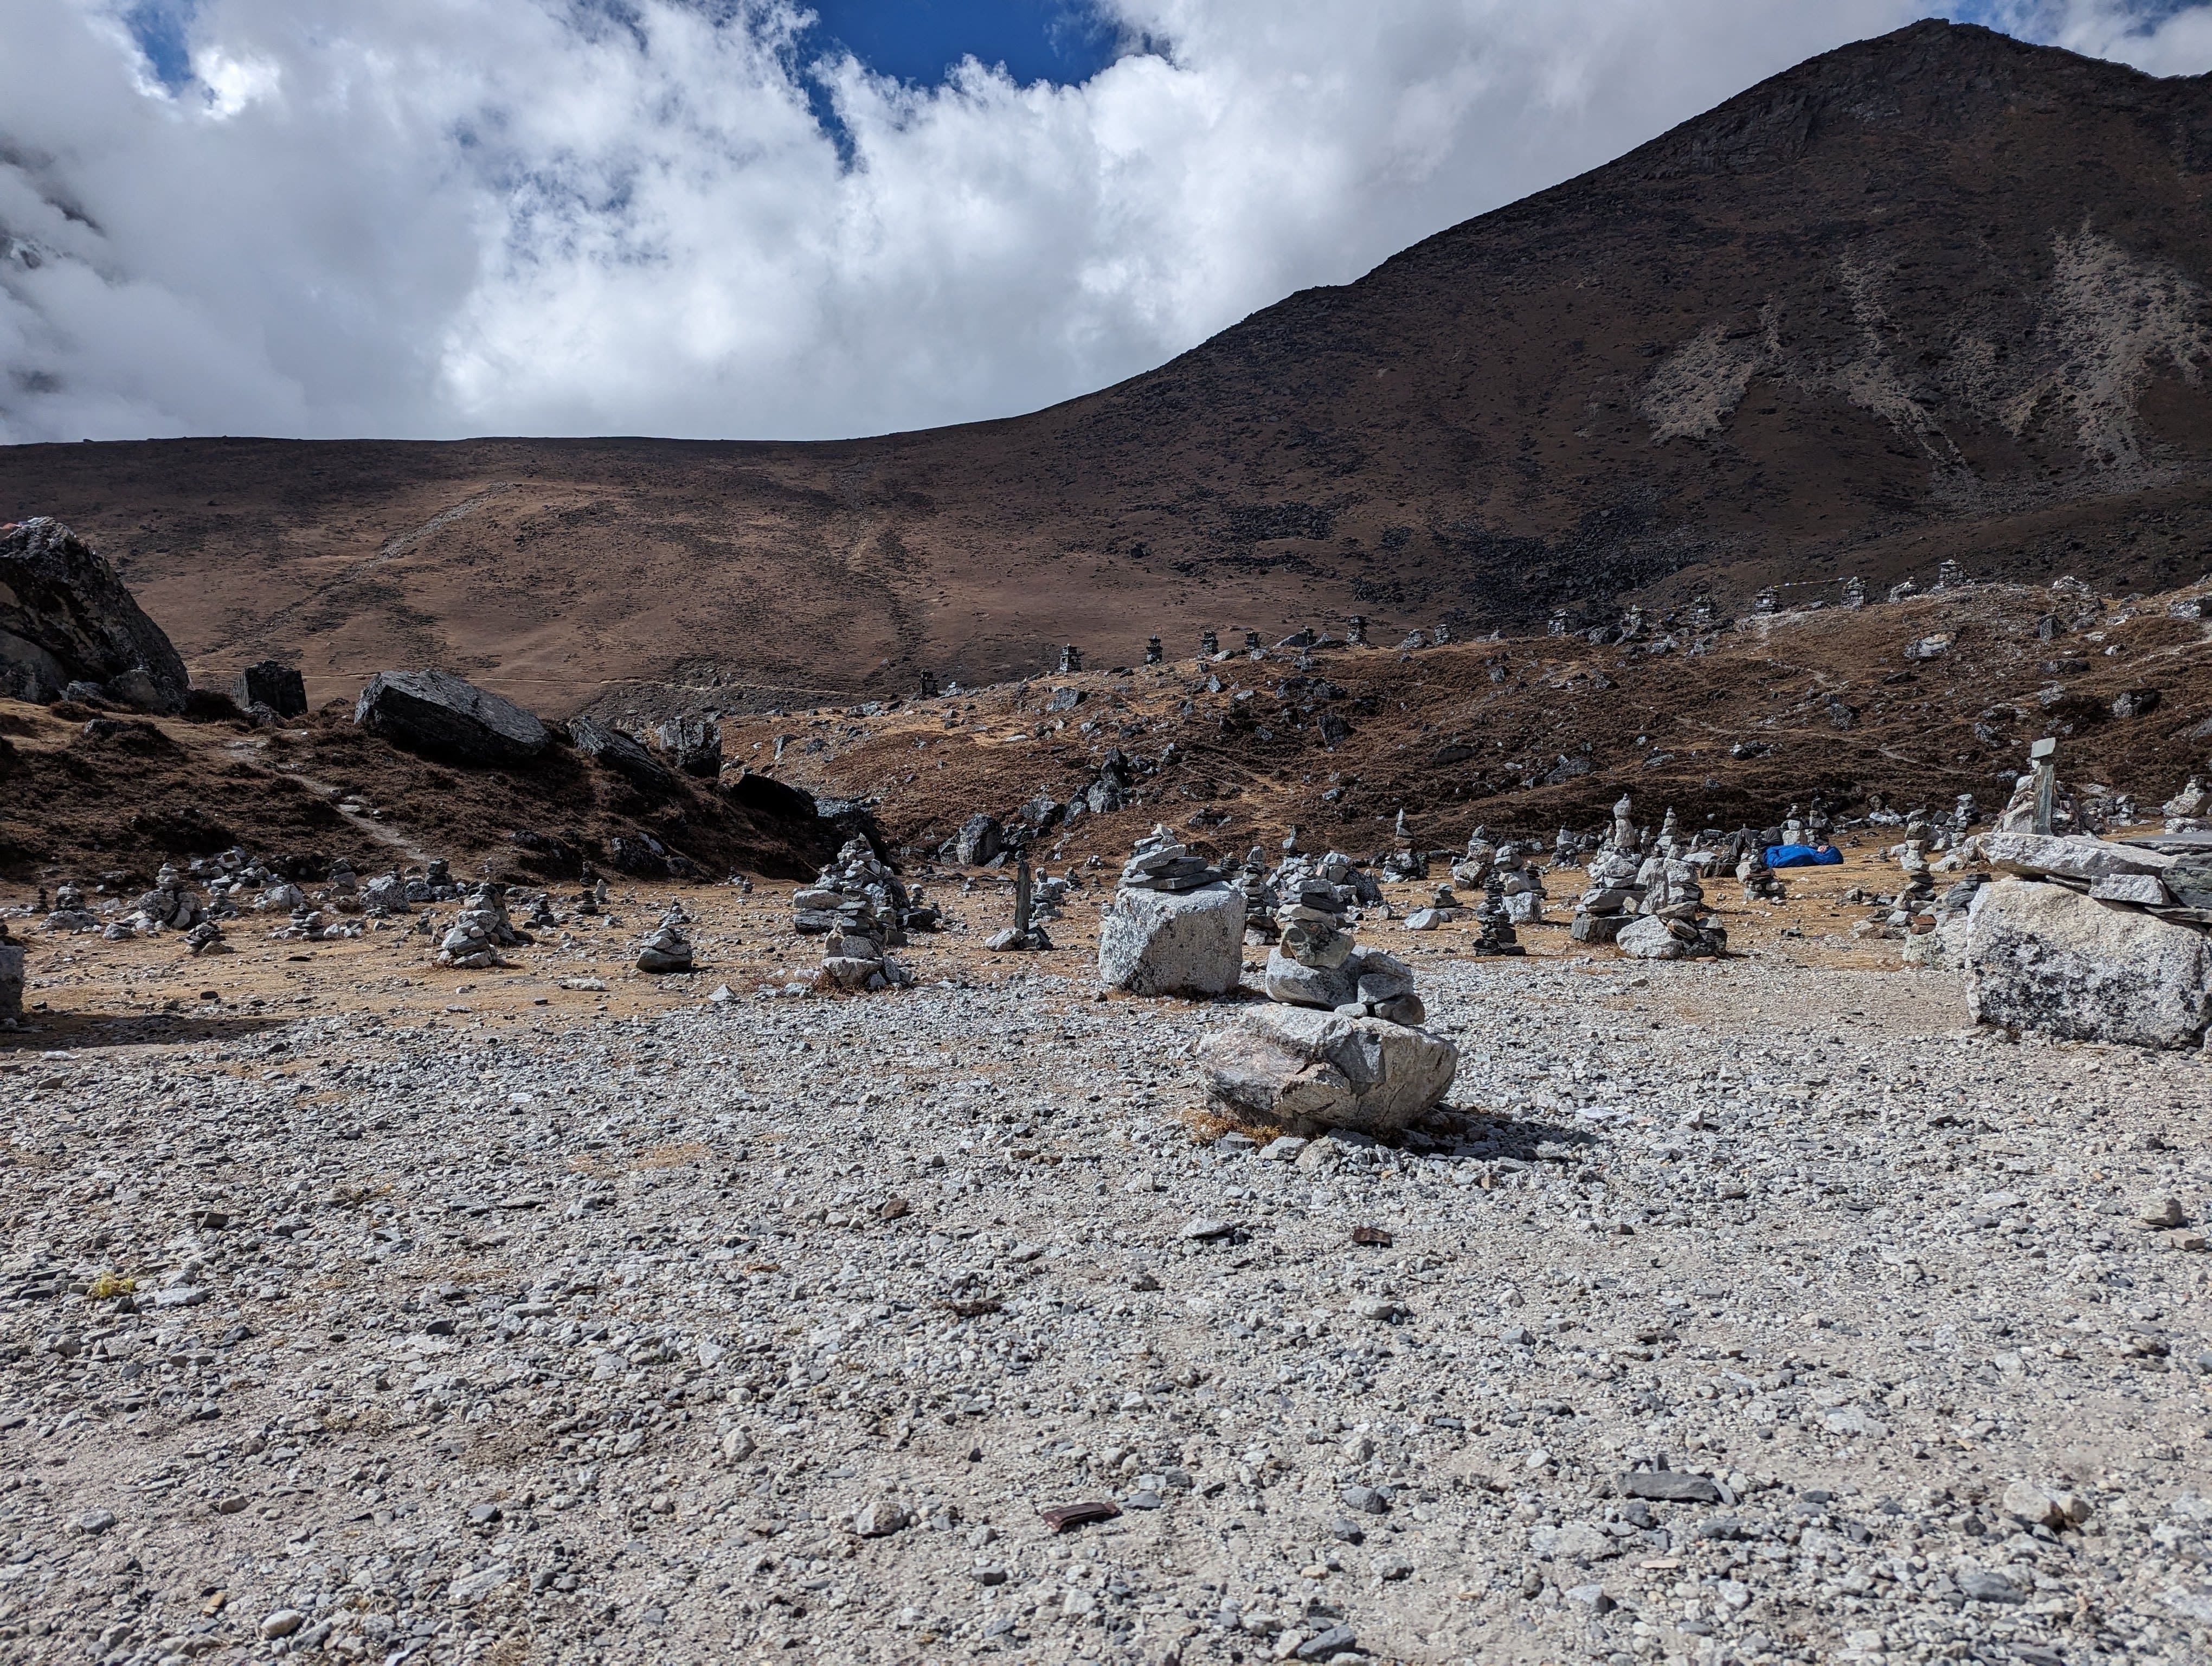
<point x="1496" y="935"/>
<point x="1760" y="883"/>
<point x="1520" y="885"/>
<point x="172" y="905"/>
<point x="69" y="913"/>
<point x="2091" y="939"/>
<point x="857" y="905"/>
<point x="1260" y="898"/>
<point x="1472" y="869"/>
<point x="2188" y="810"/>
<point x="1175" y="925"/>
<point x="665" y="948"/>
<point x="1442" y="907"/>
<point x="479" y="932"/>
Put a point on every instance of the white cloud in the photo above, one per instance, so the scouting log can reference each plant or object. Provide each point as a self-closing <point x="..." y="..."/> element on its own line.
<point x="433" y="217"/>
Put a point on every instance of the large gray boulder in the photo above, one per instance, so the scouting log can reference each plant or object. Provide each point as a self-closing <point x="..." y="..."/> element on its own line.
<point x="1173" y="943"/>
<point x="620" y="754"/>
<point x="436" y="713"/>
<point x="2043" y="957"/>
<point x="65" y="618"/>
<point x="1310" y="1070"/>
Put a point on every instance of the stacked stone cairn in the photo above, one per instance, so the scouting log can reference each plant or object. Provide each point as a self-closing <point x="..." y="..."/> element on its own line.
<point x="1260" y="898"/>
<point x="480" y="931"/>
<point x="1520" y="885"/>
<point x="1442" y="908"/>
<point x="666" y="949"/>
<point x="1174" y="928"/>
<point x="1338" y="1043"/>
<point x="1495" y="934"/>
<point x="2188" y="810"/>
<point x="857" y="905"/>
<point x="2091" y="939"/>
<point x="1672" y="922"/>
<point x="1614" y="894"/>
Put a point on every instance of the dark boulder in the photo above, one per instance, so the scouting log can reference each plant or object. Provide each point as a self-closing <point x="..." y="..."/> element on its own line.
<point x="764" y="795"/>
<point x="437" y="714"/>
<point x="693" y="745"/>
<point x="620" y="754"/>
<point x="979" y="839"/>
<point x="273" y="684"/>
<point x="65" y="618"/>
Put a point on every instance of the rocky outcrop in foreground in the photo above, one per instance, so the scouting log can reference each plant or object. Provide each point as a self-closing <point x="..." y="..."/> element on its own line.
<point x="66" y="619"/>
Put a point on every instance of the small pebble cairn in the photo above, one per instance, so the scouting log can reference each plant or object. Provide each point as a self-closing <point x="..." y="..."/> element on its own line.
<point x="1162" y="862"/>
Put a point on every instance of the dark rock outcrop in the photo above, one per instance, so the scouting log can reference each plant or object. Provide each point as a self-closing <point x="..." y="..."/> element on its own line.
<point x="274" y="685"/>
<point x="620" y="754"/>
<point x="437" y="714"/>
<point x="66" y="617"/>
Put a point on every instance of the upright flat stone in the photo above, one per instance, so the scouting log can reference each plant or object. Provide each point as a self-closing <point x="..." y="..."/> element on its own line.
<point x="1311" y="1070"/>
<point x="1173" y="943"/>
<point x="438" y="714"/>
<point x="2043" y="957"/>
<point x="11" y="982"/>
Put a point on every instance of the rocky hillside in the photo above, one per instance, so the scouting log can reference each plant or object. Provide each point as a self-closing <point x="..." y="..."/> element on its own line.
<point x="1936" y="293"/>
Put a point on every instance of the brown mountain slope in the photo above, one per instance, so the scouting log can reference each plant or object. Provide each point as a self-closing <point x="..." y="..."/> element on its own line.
<point x="1939" y="293"/>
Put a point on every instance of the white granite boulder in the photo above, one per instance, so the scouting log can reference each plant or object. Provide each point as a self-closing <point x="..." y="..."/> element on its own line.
<point x="2045" y="957"/>
<point x="1173" y="943"/>
<point x="1310" y="1070"/>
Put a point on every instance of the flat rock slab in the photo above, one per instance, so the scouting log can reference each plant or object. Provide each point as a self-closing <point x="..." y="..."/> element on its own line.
<point x="1173" y="943"/>
<point x="1311" y="1070"/>
<point x="436" y="713"/>
<point x="2074" y="858"/>
<point x="2044" y="957"/>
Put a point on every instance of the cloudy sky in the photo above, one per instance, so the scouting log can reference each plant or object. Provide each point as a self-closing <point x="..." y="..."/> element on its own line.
<point x="745" y="218"/>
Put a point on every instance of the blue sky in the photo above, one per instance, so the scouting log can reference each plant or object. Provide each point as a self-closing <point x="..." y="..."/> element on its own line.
<point x="426" y="218"/>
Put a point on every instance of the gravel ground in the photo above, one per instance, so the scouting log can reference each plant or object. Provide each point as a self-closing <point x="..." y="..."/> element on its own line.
<point x="768" y="1330"/>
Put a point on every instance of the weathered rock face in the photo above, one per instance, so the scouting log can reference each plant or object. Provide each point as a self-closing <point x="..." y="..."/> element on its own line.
<point x="620" y="754"/>
<point x="273" y="684"/>
<point x="65" y="618"/>
<point x="981" y="838"/>
<point x="1173" y="943"/>
<point x="436" y="713"/>
<point x="693" y="745"/>
<point x="2041" y="957"/>
<point x="1311" y="1070"/>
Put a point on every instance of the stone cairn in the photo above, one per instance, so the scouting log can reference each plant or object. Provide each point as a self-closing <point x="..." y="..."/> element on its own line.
<point x="1175" y="925"/>
<point x="1070" y="660"/>
<point x="1153" y="652"/>
<point x="1518" y="884"/>
<point x="1613" y="894"/>
<point x="1209" y="644"/>
<point x="1338" y="1043"/>
<point x="1318" y="963"/>
<point x="1260" y="898"/>
<point x="480" y="931"/>
<point x="2088" y="939"/>
<point x="665" y="948"/>
<point x="2188" y="810"/>
<point x="858" y="906"/>
<point x="1672" y="922"/>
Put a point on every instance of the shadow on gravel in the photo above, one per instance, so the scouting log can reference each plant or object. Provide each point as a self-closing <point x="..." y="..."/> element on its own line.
<point x="54" y="1031"/>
